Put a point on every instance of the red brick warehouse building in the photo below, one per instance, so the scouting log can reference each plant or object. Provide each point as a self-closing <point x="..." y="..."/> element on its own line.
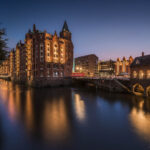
<point x="49" y="55"/>
<point x="42" y="56"/>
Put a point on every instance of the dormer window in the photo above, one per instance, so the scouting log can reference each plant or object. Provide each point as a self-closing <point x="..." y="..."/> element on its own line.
<point x="137" y="62"/>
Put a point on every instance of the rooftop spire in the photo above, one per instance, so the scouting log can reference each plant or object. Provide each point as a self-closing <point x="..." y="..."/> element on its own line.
<point x="55" y="33"/>
<point x="65" y="27"/>
<point x="34" y="28"/>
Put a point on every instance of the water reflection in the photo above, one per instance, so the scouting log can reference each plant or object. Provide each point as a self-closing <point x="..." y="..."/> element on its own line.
<point x="55" y="120"/>
<point x="1" y="134"/>
<point x="45" y="114"/>
<point x="29" y="116"/>
<point x="140" y="119"/>
<point x="63" y="116"/>
<point x="79" y="107"/>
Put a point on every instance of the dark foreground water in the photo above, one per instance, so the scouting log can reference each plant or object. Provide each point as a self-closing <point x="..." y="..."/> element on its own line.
<point x="71" y="119"/>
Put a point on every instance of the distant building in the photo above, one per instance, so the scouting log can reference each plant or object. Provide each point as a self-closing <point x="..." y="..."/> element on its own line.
<point x="4" y="67"/>
<point x="106" y="68"/>
<point x="140" y="67"/>
<point x="87" y="64"/>
<point x="123" y="66"/>
<point x="20" y="61"/>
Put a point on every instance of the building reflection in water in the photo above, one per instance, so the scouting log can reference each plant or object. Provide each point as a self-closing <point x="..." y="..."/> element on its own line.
<point x="29" y="110"/>
<point x="11" y="106"/>
<point x="4" y="91"/>
<point x="55" y="120"/>
<point x="79" y="107"/>
<point x="41" y="114"/>
<point x="140" y="119"/>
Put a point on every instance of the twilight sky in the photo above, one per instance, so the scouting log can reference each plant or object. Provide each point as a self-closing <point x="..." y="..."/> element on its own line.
<point x="108" y="28"/>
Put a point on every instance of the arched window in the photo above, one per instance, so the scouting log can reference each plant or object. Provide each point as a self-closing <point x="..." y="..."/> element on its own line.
<point x="134" y="74"/>
<point x="141" y="74"/>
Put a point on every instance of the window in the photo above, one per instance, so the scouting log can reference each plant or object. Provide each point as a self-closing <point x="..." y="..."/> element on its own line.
<point x="61" y="74"/>
<point x="137" y="62"/>
<point x="55" y="74"/>
<point x="141" y="74"/>
<point x="134" y="74"/>
<point x="41" y="59"/>
<point x="148" y="74"/>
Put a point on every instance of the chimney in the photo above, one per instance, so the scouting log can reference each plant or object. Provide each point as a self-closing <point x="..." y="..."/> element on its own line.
<point x="142" y="54"/>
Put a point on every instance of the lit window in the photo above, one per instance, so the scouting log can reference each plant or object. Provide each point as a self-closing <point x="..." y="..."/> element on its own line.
<point x="141" y="74"/>
<point x="148" y="74"/>
<point x="134" y="74"/>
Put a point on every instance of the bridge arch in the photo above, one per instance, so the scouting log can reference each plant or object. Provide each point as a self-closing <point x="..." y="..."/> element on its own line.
<point x="148" y="91"/>
<point x="138" y="89"/>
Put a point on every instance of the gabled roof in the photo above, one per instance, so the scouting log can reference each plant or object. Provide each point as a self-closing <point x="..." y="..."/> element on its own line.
<point x="141" y="61"/>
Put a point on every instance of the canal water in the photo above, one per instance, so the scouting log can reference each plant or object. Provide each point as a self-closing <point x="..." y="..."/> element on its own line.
<point x="70" y="118"/>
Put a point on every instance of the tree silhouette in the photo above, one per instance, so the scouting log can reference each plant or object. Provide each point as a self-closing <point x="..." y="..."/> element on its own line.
<point x="3" y="45"/>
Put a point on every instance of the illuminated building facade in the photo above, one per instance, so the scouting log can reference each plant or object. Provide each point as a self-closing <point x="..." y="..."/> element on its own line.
<point x="87" y="64"/>
<point x="140" y="68"/>
<point x="42" y="56"/>
<point x="106" y="68"/>
<point x="12" y="62"/>
<point x="49" y="55"/>
<point x="123" y="66"/>
<point x="4" y="67"/>
<point x="20" y="61"/>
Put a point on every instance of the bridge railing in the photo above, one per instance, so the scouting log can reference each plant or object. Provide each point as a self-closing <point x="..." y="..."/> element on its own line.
<point x="103" y="78"/>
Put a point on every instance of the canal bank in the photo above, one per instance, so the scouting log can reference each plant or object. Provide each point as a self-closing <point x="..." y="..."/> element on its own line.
<point x="134" y="87"/>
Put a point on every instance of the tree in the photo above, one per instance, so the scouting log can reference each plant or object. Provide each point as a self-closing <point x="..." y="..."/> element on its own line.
<point x="3" y="45"/>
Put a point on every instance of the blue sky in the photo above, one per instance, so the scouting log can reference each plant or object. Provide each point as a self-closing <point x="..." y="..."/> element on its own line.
<point x="108" y="28"/>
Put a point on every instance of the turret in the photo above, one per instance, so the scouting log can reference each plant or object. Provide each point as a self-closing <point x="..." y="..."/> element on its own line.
<point x="65" y="33"/>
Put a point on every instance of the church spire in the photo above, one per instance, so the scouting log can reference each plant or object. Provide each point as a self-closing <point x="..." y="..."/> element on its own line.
<point x="65" y="26"/>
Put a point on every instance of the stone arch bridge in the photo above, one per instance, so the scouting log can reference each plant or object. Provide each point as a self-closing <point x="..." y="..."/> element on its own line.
<point x="140" y="87"/>
<point x="136" y="87"/>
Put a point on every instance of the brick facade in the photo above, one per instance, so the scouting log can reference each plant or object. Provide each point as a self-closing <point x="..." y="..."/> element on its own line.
<point x="43" y="55"/>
